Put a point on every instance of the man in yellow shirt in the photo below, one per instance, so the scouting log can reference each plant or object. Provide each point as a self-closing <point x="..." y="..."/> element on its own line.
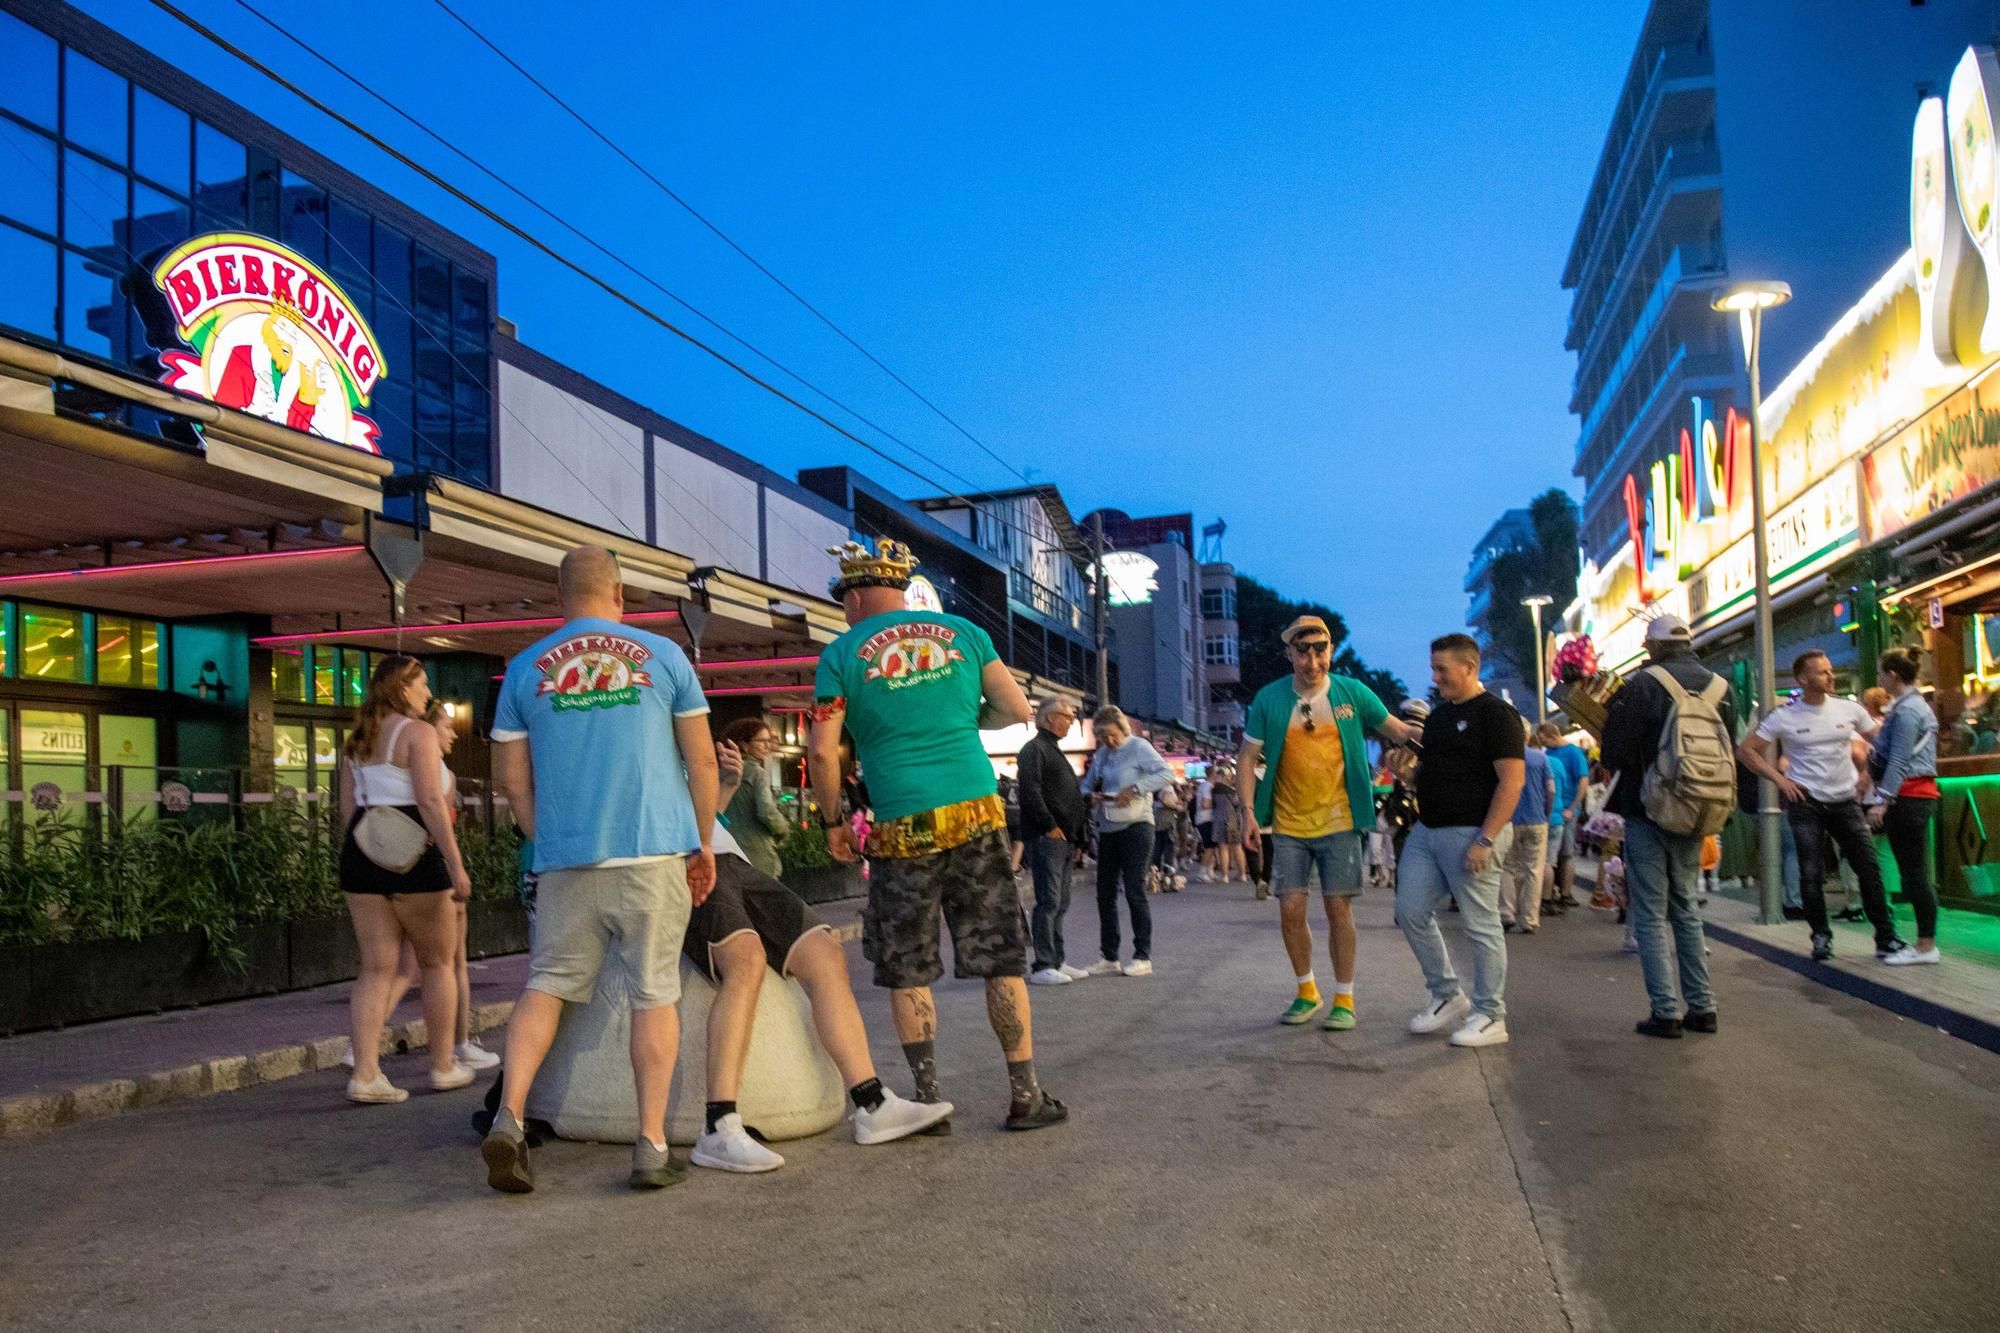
<point x="1317" y="797"/>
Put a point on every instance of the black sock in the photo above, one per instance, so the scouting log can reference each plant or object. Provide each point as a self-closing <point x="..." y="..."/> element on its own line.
<point x="717" y="1110"/>
<point x="1021" y="1081"/>
<point x="866" y="1096"/>
<point x="922" y="1056"/>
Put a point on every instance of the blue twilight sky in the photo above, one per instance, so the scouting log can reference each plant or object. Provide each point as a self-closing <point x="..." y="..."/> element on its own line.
<point x="1294" y="265"/>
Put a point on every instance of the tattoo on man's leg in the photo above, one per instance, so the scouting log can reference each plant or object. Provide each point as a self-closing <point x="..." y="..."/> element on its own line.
<point x="925" y="1012"/>
<point x="1006" y="1017"/>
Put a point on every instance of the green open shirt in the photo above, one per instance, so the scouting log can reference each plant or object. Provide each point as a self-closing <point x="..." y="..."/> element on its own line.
<point x="1356" y="711"/>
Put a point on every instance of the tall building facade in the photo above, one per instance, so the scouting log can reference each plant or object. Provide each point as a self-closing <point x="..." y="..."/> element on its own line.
<point x="1221" y="651"/>
<point x="1748" y="141"/>
<point x="1153" y="591"/>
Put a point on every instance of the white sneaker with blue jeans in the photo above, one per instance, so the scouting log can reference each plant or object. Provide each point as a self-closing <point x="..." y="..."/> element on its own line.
<point x="1431" y="871"/>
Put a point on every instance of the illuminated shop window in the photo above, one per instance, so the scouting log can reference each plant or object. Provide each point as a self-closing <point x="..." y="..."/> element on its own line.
<point x="288" y="675"/>
<point x="128" y="652"/>
<point x="51" y="643"/>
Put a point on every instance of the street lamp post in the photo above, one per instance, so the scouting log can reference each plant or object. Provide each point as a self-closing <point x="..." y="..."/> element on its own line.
<point x="1535" y="605"/>
<point x="1748" y="301"/>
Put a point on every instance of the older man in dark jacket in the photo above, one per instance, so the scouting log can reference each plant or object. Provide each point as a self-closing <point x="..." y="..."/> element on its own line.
<point x="1054" y="823"/>
<point x="1662" y="869"/>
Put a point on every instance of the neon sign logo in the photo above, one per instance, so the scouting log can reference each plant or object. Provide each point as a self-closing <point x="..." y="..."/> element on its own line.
<point x="1705" y="478"/>
<point x="271" y="336"/>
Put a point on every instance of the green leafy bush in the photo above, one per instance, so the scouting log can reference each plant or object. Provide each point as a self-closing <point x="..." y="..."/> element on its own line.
<point x="60" y="880"/>
<point x="805" y="848"/>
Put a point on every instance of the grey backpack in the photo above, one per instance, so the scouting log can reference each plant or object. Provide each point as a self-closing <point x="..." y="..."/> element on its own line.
<point x="1691" y="786"/>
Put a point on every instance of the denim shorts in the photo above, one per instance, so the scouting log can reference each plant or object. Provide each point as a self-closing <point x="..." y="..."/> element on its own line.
<point x="1334" y="860"/>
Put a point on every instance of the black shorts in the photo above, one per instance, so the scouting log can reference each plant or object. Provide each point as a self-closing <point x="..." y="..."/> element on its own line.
<point x="1205" y="830"/>
<point x="358" y="874"/>
<point x="745" y="898"/>
<point x="972" y="887"/>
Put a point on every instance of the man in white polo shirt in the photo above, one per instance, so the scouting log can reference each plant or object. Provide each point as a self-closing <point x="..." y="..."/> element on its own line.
<point x="1818" y="734"/>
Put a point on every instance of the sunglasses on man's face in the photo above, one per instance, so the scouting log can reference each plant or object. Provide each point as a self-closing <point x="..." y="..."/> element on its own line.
<point x="1311" y="647"/>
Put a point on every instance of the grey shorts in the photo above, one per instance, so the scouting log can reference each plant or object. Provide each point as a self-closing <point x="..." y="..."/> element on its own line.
<point x="640" y="912"/>
<point x="746" y="901"/>
<point x="1332" y="864"/>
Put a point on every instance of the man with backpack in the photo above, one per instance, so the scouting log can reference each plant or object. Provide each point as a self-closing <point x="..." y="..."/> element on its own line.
<point x="1674" y="782"/>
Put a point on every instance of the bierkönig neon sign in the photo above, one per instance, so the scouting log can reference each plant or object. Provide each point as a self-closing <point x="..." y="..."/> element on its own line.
<point x="1672" y="514"/>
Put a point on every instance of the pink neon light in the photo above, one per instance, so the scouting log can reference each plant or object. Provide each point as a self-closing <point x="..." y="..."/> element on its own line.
<point x="542" y="622"/>
<point x="201" y="562"/>
<point x="753" y="689"/>
<point x="743" y="663"/>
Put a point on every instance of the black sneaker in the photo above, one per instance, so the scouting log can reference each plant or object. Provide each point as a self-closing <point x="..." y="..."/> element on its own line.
<point x="1699" y="1020"/>
<point x="1894" y="945"/>
<point x="1659" y="1027"/>
<point x="1794" y="913"/>
<point x="1045" y="1112"/>
<point x="1852" y="914"/>
<point x="1822" y="948"/>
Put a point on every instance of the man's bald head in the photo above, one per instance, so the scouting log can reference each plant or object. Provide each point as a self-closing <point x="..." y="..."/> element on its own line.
<point x="589" y="584"/>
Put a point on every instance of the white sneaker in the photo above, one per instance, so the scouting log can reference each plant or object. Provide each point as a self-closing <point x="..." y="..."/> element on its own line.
<point x="379" y="1093"/>
<point x="1437" y="1016"/>
<point x="1050" y="976"/>
<point x="1631" y="941"/>
<point x="1139" y="967"/>
<point x="1073" y="973"/>
<point x="729" y="1147"/>
<point x="1480" y="1030"/>
<point x="474" y="1056"/>
<point x="896" y="1118"/>
<point x="1911" y="956"/>
<point x="459" y="1076"/>
<point x="1103" y="967"/>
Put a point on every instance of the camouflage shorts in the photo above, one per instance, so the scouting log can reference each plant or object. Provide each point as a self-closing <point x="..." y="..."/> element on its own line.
<point x="973" y="886"/>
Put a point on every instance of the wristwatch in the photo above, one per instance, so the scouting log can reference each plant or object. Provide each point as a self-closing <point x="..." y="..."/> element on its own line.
<point x="835" y="822"/>
<point x="1481" y="840"/>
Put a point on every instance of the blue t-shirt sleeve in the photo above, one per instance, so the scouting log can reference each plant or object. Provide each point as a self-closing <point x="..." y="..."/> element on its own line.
<point x="684" y="685"/>
<point x="510" y="720"/>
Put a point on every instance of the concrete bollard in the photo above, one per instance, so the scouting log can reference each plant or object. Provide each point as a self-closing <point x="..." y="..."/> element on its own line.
<point x="791" y="1088"/>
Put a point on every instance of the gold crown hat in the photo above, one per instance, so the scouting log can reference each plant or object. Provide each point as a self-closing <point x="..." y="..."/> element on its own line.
<point x="889" y="565"/>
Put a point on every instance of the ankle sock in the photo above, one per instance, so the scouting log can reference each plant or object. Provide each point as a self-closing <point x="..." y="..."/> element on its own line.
<point x="717" y="1110"/>
<point x="922" y="1056"/>
<point x="866" y="1096"/>
<point x="1343" y="994"/>
<point x="1022" y="1083"/>
<point x="1308" y="988"/>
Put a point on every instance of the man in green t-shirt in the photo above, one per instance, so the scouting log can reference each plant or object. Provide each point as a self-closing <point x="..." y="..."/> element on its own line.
<point x="1317" y="796"/>
<point x="913" y="688"/>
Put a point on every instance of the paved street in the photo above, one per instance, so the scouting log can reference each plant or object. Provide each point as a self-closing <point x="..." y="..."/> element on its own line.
<point x="1819" y="1165"/>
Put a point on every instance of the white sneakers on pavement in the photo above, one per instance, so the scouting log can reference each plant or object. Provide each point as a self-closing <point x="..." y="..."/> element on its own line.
<point x="1441" y="1014"/>
<point x="1103" y="967"/>
<point x="379" y="1093"/>
<point x="460" y="1075"/>
<point x="896" y="1118"/>
<point x="474" y="1056"/>
<point x="1049" y="976"/>
<point x="1073" y="973"/>
<point x="1139" y="967"/>
<point x="1911" y="956"/>
<point x="1479" y="1030"/>
<point x="729" y="1147"/>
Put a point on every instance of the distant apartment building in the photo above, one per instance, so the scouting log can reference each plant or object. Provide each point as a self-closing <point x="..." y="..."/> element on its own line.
<point x="1512" y="531"/>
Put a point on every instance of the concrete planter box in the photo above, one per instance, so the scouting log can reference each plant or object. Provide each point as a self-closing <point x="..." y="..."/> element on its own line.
<point x="826" y="884"/>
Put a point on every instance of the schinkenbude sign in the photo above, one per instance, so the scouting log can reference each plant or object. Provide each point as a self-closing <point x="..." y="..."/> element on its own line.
<point x="270" y="335"/>
<point x="1944" y="455"/>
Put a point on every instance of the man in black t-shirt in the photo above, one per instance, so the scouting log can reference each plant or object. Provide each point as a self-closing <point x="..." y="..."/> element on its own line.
<point x="1468" y="780"/>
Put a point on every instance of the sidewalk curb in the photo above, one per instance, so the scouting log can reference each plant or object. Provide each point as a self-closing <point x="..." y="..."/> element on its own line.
<point x="1957" y="1023"/>
<point x="36" y="1112"/>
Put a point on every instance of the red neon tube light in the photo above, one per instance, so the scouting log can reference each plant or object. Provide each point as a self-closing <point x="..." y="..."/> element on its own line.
<point x="539" y="622"/>
<point x="199" y="562"/>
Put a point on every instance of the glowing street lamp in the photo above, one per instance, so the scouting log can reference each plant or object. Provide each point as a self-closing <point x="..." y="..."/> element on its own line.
<point x="1748" y="301"/>
<point x="1535" y="605"/>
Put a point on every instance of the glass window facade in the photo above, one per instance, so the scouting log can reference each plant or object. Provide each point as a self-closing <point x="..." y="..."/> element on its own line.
<point x="331" y="677"/>
<point x="52" y="643"/>
<point x="59" y="643"/>
<point x="99" y="176"/>
<point x="128" y="652"/>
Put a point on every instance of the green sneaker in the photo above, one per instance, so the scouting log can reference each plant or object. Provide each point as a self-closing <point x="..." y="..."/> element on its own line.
<point x="1338" y="1019"/>
<point x="1301" y="1012"/>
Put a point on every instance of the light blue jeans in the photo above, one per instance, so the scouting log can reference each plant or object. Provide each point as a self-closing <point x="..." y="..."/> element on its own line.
<point x="1431" y="870"/>
<point x="1662" y="870"/>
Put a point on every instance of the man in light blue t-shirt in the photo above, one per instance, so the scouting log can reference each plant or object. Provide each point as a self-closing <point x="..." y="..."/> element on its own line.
<point x="601" y="745"/>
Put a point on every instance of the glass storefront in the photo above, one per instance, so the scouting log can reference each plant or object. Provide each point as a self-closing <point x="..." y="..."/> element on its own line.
<point x="99" y="176"/>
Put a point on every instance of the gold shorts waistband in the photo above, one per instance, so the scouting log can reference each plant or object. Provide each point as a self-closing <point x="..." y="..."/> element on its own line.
<point x="938" y="830"/>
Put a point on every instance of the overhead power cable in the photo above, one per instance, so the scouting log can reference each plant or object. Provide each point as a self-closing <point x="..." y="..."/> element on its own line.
<point x="726" y="239"/>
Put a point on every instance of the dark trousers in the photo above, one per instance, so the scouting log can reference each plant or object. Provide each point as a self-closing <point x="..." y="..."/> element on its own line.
<point x="1050" y="860"/>
<point x="1122" y="855"/>
<point x="1163" y="849"/>
<point x="1908" y="825"/>
<point x="1814" y="825"/>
